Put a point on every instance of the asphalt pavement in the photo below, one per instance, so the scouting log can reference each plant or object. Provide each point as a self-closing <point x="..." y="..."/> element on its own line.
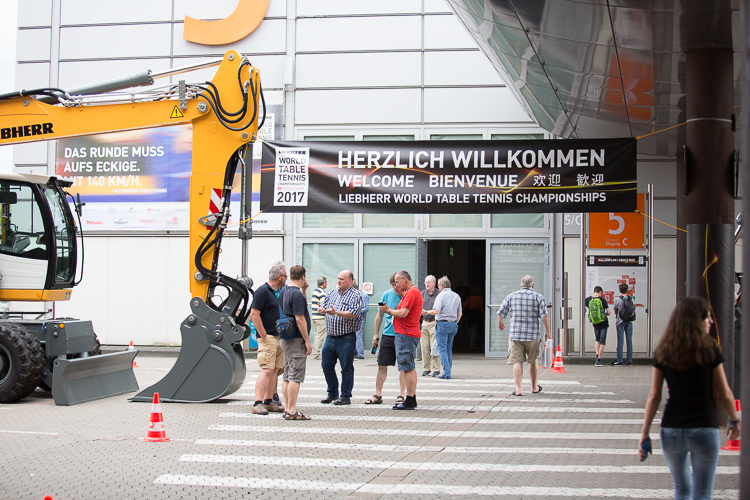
<point x="468" y="437"/>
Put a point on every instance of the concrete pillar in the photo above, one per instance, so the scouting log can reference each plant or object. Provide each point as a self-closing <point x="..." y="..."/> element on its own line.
<point x="745" y="145"/>
<point x="710" y="189"/>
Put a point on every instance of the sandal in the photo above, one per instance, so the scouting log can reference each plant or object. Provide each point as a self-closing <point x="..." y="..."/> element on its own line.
<point x="374" y="400"/>
<point x="296" y="416"/>
<point x="399" y="399"/>
<point x="537" y="392"/>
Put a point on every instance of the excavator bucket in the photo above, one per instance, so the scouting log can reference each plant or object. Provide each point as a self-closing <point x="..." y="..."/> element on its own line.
<point x="94" y="377"/>
<point x="211" y="363"/>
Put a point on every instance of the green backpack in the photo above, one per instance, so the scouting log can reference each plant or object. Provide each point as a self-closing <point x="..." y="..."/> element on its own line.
<point x="596" y="310"/>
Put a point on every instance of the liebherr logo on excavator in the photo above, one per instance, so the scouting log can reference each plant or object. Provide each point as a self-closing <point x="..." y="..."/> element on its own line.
<point x="25" y="130"/>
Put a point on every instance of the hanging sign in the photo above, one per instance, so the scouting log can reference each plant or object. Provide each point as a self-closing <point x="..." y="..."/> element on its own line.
<point x="618" y="230"/>
<point x="538" y="176"/>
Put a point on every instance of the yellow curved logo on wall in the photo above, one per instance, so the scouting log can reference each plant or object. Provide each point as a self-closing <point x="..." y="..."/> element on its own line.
<point x="244" y="20"/>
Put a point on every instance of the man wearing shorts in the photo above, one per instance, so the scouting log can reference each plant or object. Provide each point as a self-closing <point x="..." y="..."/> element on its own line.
<point x="406" y="325"/>
<point x="387" y="353"/>
<point x="264" y="312"/>
<point x="526" y="307"/>
<point x="294" y="303"/>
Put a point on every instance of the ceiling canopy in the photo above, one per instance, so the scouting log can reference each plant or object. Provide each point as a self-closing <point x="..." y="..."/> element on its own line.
<point x="603" y="68"/>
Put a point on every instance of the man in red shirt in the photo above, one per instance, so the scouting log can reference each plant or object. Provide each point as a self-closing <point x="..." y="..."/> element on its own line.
<point x="406" y="325"/>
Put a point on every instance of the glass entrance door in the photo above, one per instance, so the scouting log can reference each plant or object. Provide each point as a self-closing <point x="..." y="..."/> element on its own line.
<point x="508" y="261"/>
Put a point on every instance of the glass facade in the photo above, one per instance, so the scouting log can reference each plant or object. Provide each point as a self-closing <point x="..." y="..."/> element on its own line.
<point x="508" y="263"/>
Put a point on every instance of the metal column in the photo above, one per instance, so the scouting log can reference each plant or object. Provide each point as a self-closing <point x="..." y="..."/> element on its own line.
<point x="710" y="188"/>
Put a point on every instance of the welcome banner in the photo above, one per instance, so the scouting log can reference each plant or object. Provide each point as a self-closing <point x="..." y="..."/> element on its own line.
<point x="540" y="176"/>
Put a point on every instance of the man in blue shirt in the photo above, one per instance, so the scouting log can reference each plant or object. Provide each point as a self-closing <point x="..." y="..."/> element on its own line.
<point x="387" y="353"/>
<point x="526" y="307"/>
<point x="447" y="311"/>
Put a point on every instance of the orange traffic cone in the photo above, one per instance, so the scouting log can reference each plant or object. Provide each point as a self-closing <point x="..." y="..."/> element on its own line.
<point x="558" y="366"/>
<point x="156" y="432"/>
<point x="131" y="347"/>
<point x="734" y="444"/>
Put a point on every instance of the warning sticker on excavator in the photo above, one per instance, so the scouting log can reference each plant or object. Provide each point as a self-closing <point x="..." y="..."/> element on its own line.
<point x="176" y="113"/>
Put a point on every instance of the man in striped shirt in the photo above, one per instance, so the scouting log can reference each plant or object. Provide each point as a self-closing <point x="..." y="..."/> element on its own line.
<point x="343" y="310"/>
<point x="526" y="307"/>
<point x="318" y="318"/>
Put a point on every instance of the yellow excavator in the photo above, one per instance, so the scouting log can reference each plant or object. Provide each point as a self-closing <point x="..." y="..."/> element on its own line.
<point x="39" y="238"/>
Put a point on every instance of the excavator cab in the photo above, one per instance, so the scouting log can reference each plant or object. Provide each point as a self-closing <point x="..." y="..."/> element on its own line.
<point x="38" y="258"/>
<point x="37" y="235"/>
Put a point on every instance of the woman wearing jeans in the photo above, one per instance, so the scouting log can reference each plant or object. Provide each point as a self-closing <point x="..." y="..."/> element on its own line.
<point x="690" y="361"/>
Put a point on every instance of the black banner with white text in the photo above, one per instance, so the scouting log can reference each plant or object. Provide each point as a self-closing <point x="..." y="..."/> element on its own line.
<point x="537" y="176"/>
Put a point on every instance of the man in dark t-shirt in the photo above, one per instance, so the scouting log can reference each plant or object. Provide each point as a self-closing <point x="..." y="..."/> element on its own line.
<point x="296" y="350"/>
<point x="264" y="311"/>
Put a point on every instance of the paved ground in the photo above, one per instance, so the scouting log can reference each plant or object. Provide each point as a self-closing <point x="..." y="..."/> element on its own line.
<point x="577" y="439"/>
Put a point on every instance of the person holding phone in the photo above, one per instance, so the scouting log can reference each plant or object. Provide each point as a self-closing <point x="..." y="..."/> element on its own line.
<point x="691" y="363"/>
<point x="387" y="352"/>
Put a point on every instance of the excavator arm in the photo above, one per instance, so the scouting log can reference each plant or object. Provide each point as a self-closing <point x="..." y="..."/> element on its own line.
<point x="223" y="113"/>
<point x="224" y="116"/>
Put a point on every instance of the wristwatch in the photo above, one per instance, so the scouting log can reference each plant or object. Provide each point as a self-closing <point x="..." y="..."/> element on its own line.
<point x="733" y="423"/>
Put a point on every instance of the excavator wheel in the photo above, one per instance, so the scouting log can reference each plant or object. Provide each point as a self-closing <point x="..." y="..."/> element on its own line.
<point x="21" y="362"/>
<point x="96" y="351"/>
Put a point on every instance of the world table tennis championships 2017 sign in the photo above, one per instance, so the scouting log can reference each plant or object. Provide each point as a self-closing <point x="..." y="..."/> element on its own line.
<point x="542" y="176"/>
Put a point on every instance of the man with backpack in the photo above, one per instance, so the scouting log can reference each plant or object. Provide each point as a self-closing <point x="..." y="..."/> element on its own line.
<point x="625" y="313"/>
<point x="598" y="312"/>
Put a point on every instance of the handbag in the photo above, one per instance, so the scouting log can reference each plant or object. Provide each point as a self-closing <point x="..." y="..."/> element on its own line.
<point x="546" y="353"/>
<point x="286" y="326"/>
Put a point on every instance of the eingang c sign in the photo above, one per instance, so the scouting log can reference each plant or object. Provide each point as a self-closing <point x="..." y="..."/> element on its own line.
<point x="244" y="20"/>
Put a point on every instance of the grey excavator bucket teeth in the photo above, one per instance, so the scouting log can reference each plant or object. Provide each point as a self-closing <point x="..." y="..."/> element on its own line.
<point x="94" y="377"/>
<point x="211" y="363"/>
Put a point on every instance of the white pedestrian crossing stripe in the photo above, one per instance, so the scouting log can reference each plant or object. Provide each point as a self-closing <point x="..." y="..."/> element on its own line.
<point x="263" y="483"/>
<point x="436" y="466"/>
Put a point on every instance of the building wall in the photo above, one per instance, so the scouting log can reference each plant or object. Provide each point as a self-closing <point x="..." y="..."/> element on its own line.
<point x="341" y="69"/>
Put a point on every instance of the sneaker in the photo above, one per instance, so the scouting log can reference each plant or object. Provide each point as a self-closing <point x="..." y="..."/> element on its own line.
<point x="630" y="363"/>
<point x="426" y="373"/>
<point x="259" y="410"/>
<point x="616" y="363"/>
<point x="418" y="359"/>
<point x="598" y="363"/>
<point x="435" y="374"/>
<point x="274" y="407"/>
<point x="359" y="357"/>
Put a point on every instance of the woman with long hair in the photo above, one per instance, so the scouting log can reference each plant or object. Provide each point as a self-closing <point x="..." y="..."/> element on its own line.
<point x="692" y="364"/>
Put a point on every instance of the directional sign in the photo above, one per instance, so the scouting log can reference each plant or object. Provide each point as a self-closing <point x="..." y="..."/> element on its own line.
<point x="615" y="230"/>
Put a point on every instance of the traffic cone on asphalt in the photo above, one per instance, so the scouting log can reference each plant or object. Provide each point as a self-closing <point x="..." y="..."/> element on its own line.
<point x="734" y="444"/>
<point x="131" y="347"/>
<point x="156" y="432"/>
<point x="558" y="365"/>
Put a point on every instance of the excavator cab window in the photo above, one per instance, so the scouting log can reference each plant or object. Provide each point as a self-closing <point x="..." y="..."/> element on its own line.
<point x="64" y="231"/>
<point x="22" y="222"/>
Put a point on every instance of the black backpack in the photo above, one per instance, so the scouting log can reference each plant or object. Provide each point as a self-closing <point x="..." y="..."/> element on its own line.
<point x="627" y="309"/>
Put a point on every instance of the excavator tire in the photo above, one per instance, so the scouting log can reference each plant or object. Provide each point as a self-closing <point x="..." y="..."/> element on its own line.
<point x="21" y="362"/>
